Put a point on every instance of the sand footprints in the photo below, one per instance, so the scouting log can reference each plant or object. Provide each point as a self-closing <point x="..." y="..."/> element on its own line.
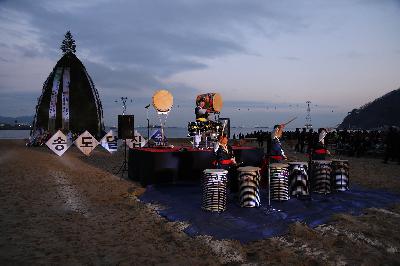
<point x="73" y="200"/>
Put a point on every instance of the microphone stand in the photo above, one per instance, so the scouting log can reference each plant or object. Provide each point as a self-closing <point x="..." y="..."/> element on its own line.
<point x="148" y="125"/>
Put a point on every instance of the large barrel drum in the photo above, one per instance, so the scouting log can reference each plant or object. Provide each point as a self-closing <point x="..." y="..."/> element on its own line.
<point x="213" y="102"/>
<point x="249" y="186"/>
<point x="340" y="175"/>
<point x="279" y="181"/>
<point x="298" y="179"/>
<point x="321" y="176"/>
<point x="214" y="189"/>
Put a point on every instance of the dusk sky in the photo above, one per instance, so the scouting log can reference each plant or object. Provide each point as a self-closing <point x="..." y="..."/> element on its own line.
<point x="266" y="58"/>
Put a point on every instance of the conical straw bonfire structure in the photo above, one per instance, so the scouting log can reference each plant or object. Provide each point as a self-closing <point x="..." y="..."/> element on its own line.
<point x="69" y="99"/>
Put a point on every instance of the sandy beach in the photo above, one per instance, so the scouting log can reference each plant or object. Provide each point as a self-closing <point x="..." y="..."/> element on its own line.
<point x="74" y="210"/>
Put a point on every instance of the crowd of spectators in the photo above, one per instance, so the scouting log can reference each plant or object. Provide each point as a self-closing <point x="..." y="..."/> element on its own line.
<point x="384" y="144"/>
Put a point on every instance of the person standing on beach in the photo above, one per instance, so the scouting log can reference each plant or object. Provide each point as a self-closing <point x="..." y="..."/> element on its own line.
<point x="310" y="140"/>
<point x="297" y="136"/>
<point x="260" y="139"/>
<point x="397" y="145"/>
<point x="303" y="136"/>
<point x="390" y="142"/>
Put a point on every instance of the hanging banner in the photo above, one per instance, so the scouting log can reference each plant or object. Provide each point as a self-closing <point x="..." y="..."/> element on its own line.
<point x="137" y="142"/>
<point x="96" y="99"/>
<point x="156" y="136"/>
<point x="65" y="99"/>
<point x="53" y="99"/>
<point x="86" y="143"/>
<point x="110" y="141"/>
<point x="58" y="143"/>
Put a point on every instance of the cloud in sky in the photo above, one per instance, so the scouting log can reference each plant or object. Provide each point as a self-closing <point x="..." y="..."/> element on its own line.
<point x="250" y="51"/>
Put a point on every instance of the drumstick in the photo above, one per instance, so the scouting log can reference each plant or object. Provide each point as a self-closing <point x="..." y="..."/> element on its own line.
<point x="223" y="126"/>
<point x="291" y="120"/>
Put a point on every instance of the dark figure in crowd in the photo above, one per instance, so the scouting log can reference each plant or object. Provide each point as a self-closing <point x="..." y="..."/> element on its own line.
<point x="390" y="142"/>
<point x="225" y="159"/>
<point x="303" y="136"/>
<point x="260" y="140"/>
<point x="297" y="136"/>
<point x="319" y="150"/>
<point x="310" y="140"/>
<point x="277" y="153"/>
<point x="397" y="146"/>
<point x="357" y="144"/>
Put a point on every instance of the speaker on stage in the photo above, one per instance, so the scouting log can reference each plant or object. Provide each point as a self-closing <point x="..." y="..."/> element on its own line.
<point x="226" y="125"/>
<point x="125" y="126"/>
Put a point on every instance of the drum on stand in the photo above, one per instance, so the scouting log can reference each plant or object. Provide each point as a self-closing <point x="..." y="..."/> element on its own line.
<point x="163" y="101"/>
<point x="298" y="179"/>
<point x="340" y="175"/>
<point x="279" y="181"/>
<point x="249" y="186"/>
<point x="213" y="102"/>
<point x="321" y="176"/>
<point x="214" y="190"/>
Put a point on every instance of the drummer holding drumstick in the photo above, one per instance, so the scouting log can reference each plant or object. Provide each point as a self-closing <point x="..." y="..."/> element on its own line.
<point x="277" y="153"/>
<point x="201" y="112"/>
<point x="201" y="116"/>
<point x="320" y="151"/>
<point x="225" y="159"/>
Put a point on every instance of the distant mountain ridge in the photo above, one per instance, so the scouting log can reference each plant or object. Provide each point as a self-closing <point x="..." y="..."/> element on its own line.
<point x="383" y="111"/>
<point x="20" y="119"/>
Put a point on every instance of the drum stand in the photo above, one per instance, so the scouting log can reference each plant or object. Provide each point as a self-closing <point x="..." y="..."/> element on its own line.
<point x="269" y="209"/>
<point x="162" y="115"/>
<point x="195" y="139"/>
<point x="148" y="125"/>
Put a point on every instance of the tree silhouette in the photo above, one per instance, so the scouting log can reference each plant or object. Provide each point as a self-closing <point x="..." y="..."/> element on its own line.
<point x="68" y="44"/>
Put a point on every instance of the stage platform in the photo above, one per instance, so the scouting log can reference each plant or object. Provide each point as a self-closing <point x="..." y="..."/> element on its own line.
<point x="173" y="165"/>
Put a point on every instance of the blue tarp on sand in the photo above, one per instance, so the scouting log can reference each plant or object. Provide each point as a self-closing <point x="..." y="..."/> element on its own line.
<point x="183" y="203"/>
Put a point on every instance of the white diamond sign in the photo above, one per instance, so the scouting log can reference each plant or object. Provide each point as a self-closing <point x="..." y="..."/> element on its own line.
<point x="110" y="141"/>
<point x="86" y="143"/>
<point x="137" y="142"/>
<point x="58" y="143"/>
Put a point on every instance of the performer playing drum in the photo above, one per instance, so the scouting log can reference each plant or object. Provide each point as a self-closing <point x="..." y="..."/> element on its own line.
<point x="277" y="153"/>
<point x="225" y="159"/>
<point x="213" y="102"/>
<point x="201" y="119"/>
<point x="201" y="112"/>
<point x="319" y="150"/>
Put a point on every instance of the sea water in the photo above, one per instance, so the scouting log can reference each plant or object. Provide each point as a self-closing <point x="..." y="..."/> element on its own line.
<point x="14" y="134"/>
